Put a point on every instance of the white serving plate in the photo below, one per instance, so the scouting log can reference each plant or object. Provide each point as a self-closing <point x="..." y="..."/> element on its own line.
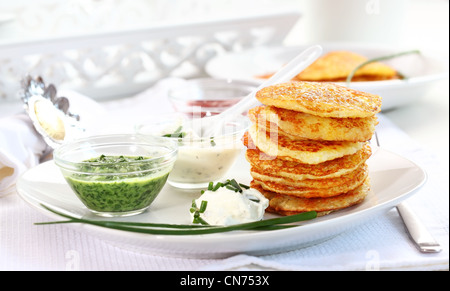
<point x="393" y="179"/>
<point x="422" y="70"/>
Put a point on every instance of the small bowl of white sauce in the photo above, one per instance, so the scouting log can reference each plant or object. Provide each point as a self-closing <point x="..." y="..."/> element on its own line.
<point x="200" y="160"/>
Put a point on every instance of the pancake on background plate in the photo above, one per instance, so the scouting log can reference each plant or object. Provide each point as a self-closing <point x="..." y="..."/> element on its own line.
<point x="335" y="66"/>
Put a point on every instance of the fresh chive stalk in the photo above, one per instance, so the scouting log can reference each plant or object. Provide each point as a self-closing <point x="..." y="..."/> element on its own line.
<point x="181" y="229"/>
<point x="378" y="59"/>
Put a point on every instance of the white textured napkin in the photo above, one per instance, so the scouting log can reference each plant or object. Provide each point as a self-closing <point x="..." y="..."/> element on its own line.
<point x="20" y="149"/>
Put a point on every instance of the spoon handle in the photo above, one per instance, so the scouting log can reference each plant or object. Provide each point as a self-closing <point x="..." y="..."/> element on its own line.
<point x="215" y="123"/>
<point x="285" y="74"/>
<point x="295" y="66"/>
<point x="417" y="230"/>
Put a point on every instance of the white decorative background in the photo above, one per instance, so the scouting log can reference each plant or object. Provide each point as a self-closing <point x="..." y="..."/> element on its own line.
<point x="116" y="48"/>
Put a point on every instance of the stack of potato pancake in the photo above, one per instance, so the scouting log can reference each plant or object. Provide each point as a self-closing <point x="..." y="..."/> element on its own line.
<point x="308" y="146"/>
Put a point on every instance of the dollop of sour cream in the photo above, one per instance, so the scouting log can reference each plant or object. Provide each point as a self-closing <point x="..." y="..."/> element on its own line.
<point x="227" y="207"/>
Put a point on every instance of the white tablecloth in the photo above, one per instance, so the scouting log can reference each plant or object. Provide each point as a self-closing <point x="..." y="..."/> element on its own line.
<point x="379" y="244"/>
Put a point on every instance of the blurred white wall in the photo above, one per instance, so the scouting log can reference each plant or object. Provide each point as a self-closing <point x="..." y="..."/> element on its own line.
<point x="420" y="23"/>
<point x="41" y="18"/>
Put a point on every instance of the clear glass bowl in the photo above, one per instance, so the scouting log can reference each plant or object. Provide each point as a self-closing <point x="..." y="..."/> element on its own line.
<point x="117" y="175"/>
<point x="208" y="96"/>
<point x="200" y="160"/>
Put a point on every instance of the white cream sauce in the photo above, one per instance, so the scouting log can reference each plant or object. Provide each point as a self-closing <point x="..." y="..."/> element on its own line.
<point x="201" y="165"/>
<point x="227" y="207"/>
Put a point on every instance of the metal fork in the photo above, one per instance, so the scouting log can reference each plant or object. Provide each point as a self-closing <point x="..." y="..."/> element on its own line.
<point x="416" y="230"/>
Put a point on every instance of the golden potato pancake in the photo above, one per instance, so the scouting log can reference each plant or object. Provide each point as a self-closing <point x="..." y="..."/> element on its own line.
<point x="302" y="151"/>
<point x="299" y="171"/>
<point x="287" y="187"/>
<point x="347" y="180"/>
<point x="288" y="205"/>
<point x="321" y="99"/>
<point x="307" y="126"/>
<point x="335" y="66"/>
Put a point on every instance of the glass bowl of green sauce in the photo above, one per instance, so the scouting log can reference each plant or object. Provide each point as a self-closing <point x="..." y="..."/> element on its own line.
<point x="117" y="175"/>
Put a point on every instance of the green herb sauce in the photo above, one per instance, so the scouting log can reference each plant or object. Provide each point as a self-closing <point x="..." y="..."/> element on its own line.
<point x="134" y="190"/>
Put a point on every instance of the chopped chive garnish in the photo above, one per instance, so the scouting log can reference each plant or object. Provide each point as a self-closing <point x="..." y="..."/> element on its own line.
<point x="244" y="186"/>
<point x="210" y="186"/>
<point x="218" y="185"/>
<point x="177" y="133"/>
<point x="229" y="187"/>
<point x="229" y="184"/>
<point x="197" y="211"/>
<point x="203" y="206"/>
<point x="236" y="185"/>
